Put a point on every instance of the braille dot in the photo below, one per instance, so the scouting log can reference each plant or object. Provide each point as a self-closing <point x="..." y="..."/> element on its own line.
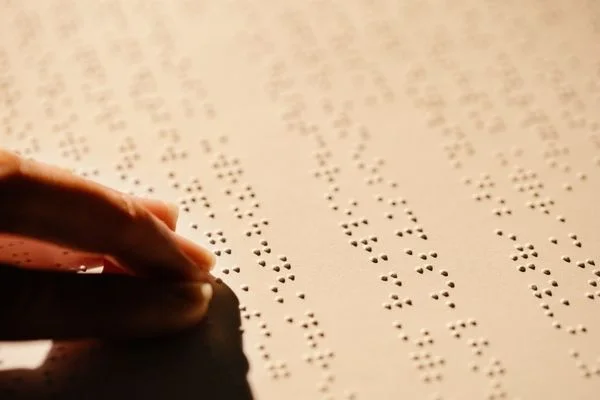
<point x="566" y="258"/>
<point x="383" y="278"/>
<point x="522" y="268"/>
<point x="236" y="269"/>
<point x="565" y="302"/>
<point x="408" y="251"/>
<point x="245" y="288"/>
<point x="444" y="272"/>
<point x="546" y="272"/>
<point x="374" y="260"/>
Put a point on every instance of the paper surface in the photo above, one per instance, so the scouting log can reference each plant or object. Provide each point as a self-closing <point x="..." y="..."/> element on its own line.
<point x="401" y="194"/>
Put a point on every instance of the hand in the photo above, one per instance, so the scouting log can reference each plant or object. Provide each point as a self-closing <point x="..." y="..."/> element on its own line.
<point x="58" y="221"/>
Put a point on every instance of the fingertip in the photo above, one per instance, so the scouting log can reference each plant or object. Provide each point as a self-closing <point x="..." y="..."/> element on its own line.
<point x="203" y="258"/>
<point x="173" y="214"/>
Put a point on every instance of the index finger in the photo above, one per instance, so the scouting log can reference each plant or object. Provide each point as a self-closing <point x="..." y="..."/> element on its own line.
<point x="47" y="203"/>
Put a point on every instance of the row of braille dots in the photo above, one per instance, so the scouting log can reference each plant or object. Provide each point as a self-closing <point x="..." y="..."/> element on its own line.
<point x="96" y="92"/>
<point x="219" y="243"/>
<point x="594" y="282"/>
<point x="539" y="292"/>
<point x="458" y="329"/>
<point x="429" y="366"/>
<point x="457" y="147"/>
<point x="527" y="182"/>
<point x="372" y="170"/>
<point x="586" y="371"/>
<point x="240" y="193"/>
<point x="232" y="172"/>
<point x="280" y="267"/>
<point x="428" y="268"/>
<point x="355" y="228"/>
<point x="145" y="96"/>
<point x="51" y="90"/>
<point x="228" y="170"/>
<point x="192" y="90"/>
<point x="128" y="154"/>
<point x="193" y="196"/>
<point x="275" y="369"/>
<point x="248" y="315"/>
<point x="554" y="152"/>
<point x="495" y="371"/>
<point x="320" y="358"/>
<point x="352" y="227"/>
<point x="484" y="186"/>
<point x="198" y="97"/>
<point x="173" y="154"/>
<point x="28" y="149"/>
<point x="416" y="229"/>
<point x="9" y="96"/>
<point x="73" y="147"/>
<point x="391" y="202"/>
<point x="394" y="298"/>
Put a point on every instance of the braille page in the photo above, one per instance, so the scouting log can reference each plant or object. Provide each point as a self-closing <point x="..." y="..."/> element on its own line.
<point x="402" y="195"/>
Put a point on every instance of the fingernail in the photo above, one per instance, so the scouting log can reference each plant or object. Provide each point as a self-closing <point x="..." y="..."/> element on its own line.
<point x="207" y="292"/>
<point x="173" y="212"/>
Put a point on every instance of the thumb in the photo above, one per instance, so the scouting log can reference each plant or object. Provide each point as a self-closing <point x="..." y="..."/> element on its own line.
<point x="55" y="305"/>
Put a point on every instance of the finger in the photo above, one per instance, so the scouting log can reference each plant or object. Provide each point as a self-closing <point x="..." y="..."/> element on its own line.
<point x="166" y="212"/>
<point x="27" y="252"/>
<point x="50" y="204"/>
<point x="55" y="305"/>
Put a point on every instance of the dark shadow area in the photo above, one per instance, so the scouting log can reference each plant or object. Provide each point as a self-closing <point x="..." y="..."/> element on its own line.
<point x="205" y="362"/>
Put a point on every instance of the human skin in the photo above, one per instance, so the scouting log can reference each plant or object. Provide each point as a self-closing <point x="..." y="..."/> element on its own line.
<point x="52" y="222"/>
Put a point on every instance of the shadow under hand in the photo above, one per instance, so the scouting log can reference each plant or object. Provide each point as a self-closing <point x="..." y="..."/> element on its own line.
<point x="204" y="362"/>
